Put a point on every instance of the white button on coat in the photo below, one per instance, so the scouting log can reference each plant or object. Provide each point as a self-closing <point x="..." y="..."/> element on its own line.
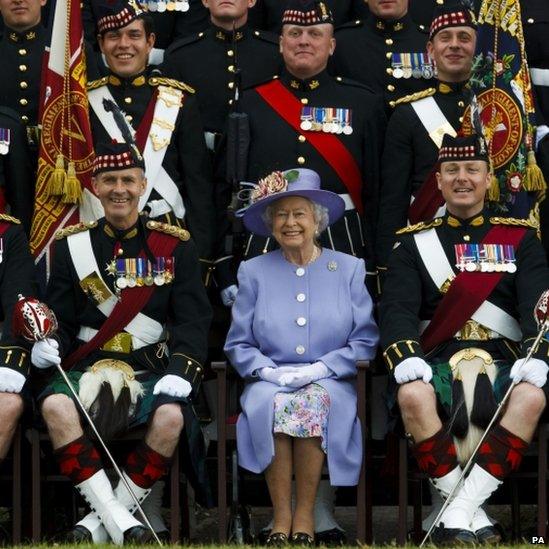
<point x="300" y="349"/>
<point x="301" y="321"/>
<point x="300" y="297"/>
<point x="300" y="271"/>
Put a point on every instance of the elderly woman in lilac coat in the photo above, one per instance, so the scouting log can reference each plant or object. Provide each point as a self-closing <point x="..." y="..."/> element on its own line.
<point x="301" y="319"/>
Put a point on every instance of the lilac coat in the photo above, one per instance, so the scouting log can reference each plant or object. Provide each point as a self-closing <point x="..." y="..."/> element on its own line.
<point x="339" y="330"/>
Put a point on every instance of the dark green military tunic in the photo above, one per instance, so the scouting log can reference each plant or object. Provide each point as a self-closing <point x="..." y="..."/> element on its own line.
<point x="208" y="61"/>
<point x="186" y="159"/>
<point x="408" y="158"/>
<point x="369" y="51"/>
<point x="277" y="146"/>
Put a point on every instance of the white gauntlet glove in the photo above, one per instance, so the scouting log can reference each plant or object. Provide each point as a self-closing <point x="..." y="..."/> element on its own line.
<point x="11" y="381"/>
<point x="534" y="371"/>
<point x="411" y="369"/>
<point x="273" y="375"/>
<point x="228" y="295"/>
<point x="172" y="385"/>
<point x="45" y="353"/>
<point x="305" y="375"/>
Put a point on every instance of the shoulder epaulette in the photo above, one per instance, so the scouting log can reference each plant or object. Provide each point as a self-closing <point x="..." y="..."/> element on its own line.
<point x="421" y="226"/>
<point x="162" y="81"/>
<point x="172" y="230"/>
<point x="10" y="219"/>
<point x="350" y="25"/>
<point x="185" y="42"/>
<point x="413" y="97"/>
<point x="265" y="36"/>
<point x="94" y="84"/>
<point x="514" y="222"/>
<point x="74" y="229"/>
<point x="355" y="83"/>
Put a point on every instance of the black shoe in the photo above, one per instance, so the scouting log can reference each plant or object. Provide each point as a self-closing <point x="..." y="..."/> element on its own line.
<point x="331" y="538"/>
<point x="490" y="535"/>
<point x="452" y="536"/>
<point x="276" y="539"/>
<point x="79" y="534"/>
<point x="139" y="535"/>
<point x="301" y="538"/>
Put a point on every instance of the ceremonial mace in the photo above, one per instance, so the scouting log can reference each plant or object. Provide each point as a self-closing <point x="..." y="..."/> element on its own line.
<point x="541" y="317"/>
<point x="35" y="321"/>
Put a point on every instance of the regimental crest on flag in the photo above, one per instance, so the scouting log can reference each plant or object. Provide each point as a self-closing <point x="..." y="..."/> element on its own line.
<point x="504" y="108"/>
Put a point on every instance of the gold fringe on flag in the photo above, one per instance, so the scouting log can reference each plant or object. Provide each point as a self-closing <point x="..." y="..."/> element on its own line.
<point x="72" y="191"/>
<point x="533" y="176"/>
<point x="57" y="177"/>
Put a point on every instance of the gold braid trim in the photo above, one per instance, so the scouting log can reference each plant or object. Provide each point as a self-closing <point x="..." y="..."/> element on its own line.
<point x="172" y="230"/>
<point x="413" y="97"/>
<point x="161" y="81"/>
<point x="94" y="84"/>
<point x="514" y="222"/>
<point x="421" y="226"/>
<point x="10" y="219"/>
<point x="73" y="229"/>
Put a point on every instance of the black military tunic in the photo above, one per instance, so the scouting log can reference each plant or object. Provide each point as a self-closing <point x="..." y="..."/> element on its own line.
<point x="267" y="14"/>
<point x="208" y="62"/>
<point x="21" y="54"/>
<point x="186" y="159"/>
<point x="183" y="303"/>
<point x="408" y="158"/>
<point x="16" y="168"/>
<point x="369" y="51"/>
<point x="277" y="146"/>
<point x="411" y="296"/>
<point x="16" y="277"/>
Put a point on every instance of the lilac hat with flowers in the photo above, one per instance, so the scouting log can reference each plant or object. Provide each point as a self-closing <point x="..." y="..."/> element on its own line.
<point x="294" y="182"/>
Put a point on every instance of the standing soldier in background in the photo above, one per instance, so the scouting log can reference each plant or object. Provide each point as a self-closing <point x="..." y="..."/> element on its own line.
<point x="385" y="51"/>
<point x="416" y="128"/>
<point x="164" y="116"/>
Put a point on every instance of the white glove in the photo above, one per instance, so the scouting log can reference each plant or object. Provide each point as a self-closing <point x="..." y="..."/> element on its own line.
<point x="411" y="369"/>
<point x="534" y="371"/>
<point x="228" y="295"/>
<point x="305" y="375"/>
<point x="11" y="381"/>
<point x="45" y="353"/>
<point x="172" y="385"/>
<point x="273" y="375"/>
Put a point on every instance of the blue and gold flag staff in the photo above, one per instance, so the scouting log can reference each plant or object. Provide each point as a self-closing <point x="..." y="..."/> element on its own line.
<point x="501" y="84"/>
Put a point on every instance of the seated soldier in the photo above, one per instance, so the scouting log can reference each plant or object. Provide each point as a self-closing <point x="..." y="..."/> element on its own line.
<point x="456" y="312"/>
<point x="115" y="284"/>
<point x="16" y="277"/>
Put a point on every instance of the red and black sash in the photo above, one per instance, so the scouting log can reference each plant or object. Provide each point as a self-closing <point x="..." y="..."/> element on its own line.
<point x="142" y="132"/>
<point x="288" y="107"/>
<point x="427" y="201"/>
<point x="467" y="292"/>
<point x="132" y="302"/>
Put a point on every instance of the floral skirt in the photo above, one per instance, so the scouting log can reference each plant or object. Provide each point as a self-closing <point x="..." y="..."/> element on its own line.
<point x="303" y="413"/>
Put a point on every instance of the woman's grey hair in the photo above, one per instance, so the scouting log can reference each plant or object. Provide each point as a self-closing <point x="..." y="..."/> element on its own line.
<point x="320" y="213"/>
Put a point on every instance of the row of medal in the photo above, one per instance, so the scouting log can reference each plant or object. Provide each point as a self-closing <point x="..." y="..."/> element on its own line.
<point x="485" y="258"/>
<point x="163" y="5"/>
<point x="326" y="119"/>
<point x="408" y="65"/>
<point x="138" y="271"/>
<point x="5" y="140"/>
